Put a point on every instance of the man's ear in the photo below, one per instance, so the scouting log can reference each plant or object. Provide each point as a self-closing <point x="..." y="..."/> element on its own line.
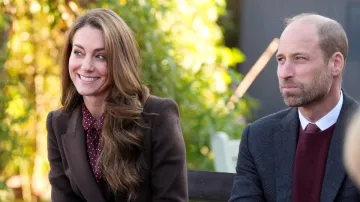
<point x="336" y="62"/>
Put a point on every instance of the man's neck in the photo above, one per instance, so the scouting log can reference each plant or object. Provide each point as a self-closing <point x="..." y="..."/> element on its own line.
<point x="315" y="111"/>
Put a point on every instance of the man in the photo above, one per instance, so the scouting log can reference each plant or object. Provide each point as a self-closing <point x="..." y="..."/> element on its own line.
<point x="296" y="154"/>
<point x="352" y="149"/>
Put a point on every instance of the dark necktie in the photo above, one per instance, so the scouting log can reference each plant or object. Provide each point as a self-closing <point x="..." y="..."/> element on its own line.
<point x="312" y="128"/>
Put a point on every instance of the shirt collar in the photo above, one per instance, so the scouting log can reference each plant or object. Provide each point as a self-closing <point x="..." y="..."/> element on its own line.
<point x="88" y="121"/>
<point x="326" y="121"/>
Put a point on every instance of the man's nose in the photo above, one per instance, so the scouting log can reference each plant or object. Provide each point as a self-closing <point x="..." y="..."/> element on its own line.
<point x="285" y="70"/>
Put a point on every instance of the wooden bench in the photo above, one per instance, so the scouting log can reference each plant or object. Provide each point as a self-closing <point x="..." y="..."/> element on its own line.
<point x="210" y="186"/>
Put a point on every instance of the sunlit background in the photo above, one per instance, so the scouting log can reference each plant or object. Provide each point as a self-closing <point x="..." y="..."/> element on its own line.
<point x="184" y="57"/>
<point x="192" y="51"/>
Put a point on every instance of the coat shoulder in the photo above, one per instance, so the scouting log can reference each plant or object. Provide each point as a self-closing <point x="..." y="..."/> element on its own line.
<point x="157" y="105"/>
<point x="272" y="120"/>
<point x="55" y="114"/>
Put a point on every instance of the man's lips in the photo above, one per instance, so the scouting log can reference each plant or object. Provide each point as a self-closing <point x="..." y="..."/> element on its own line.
<point x="289" y="89"/>
<point x="288" y="86"/>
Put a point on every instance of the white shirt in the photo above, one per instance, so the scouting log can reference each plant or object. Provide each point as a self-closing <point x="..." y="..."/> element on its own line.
<point x="326" y="121"/>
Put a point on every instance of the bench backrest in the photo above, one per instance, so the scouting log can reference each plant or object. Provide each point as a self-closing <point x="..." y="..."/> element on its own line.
<point x="210" y="186"/>
<point x="225" y="152"/>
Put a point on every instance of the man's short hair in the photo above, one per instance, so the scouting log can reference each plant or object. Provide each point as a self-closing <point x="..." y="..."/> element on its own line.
<point x="332" y="37"/>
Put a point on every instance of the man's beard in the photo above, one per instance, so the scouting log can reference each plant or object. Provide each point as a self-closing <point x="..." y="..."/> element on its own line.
<point x="311" y="93"/>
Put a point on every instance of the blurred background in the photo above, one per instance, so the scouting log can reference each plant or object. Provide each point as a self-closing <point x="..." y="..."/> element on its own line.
<point x="184" y="57"/>
<point x="193" y="51"/>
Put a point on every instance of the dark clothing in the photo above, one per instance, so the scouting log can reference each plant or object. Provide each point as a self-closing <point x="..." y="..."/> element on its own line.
<point x="164" y="177"/>
<point x="309" y="167"/>
<point x="265" y="167"/>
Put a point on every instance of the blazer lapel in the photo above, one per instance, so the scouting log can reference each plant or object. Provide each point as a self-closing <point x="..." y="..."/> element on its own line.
<point x="335" y="171"/>
<point x="74" y="142"/>
<point x="285" y="143"/>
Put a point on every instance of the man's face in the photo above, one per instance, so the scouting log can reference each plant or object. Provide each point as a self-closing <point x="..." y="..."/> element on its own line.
<point x="304" y="76"/>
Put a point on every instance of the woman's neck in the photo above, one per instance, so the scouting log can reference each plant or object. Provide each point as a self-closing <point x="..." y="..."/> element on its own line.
<point x="96" y="106"/>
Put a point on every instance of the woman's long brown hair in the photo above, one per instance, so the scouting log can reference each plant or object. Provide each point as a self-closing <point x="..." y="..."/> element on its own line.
<point x="120" y="160"/>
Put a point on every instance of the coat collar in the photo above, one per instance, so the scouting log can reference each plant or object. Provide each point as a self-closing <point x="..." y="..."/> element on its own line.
<point x="285" y="143"/>
<point x="74" y="142"/>
<point x="335" y="171"/>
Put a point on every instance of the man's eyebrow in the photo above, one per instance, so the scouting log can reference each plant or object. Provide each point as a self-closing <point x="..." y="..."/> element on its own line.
<point x="292" y="54"/>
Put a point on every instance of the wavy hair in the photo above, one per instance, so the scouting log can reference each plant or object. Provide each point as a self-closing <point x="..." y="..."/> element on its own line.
<point x="121" y="159"/>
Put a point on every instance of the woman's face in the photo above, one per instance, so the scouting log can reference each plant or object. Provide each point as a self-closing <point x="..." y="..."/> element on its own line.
<point x="87" y="63"/>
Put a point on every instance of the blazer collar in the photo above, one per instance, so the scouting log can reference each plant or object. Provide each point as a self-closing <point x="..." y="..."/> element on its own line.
<point x="285" y="142"/>
<point x="74" y="142"/>
<point x="335" y="171"/>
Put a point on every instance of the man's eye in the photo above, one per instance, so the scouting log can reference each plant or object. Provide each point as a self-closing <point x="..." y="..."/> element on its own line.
<point x="300" y="58"/>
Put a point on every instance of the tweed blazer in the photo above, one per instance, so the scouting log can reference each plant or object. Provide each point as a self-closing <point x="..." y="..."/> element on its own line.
<point x="164" y="177"/>
<point x="264" y="171"/>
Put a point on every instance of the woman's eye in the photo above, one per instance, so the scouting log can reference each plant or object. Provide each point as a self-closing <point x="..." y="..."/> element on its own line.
<point x="101" y="57"/>
<point x="76" y="52"/>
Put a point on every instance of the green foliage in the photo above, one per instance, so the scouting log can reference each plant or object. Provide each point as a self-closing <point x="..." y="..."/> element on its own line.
<point x="183" y="58"/>
<point x="5" y="140"/>
<point x="31" y="87"/>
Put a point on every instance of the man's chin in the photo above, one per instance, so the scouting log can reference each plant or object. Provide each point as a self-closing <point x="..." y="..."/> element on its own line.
<point x="291" y="101"/>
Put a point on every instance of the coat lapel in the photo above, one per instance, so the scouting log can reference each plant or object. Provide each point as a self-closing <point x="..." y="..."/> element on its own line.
<point x="335" y="172"/>
<point x="74" y="142"/>
<point x="285" y="142"/>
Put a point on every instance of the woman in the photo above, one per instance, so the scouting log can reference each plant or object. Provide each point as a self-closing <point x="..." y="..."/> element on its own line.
<point x="111" y="140"/>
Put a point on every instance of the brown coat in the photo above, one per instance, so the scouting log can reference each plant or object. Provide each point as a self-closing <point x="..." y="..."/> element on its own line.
<point x="165" y="178"/>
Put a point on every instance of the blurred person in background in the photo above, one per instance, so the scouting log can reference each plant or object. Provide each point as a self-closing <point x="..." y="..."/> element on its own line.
<point x="352" y="149"/>
<point x="112" y="140"/>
